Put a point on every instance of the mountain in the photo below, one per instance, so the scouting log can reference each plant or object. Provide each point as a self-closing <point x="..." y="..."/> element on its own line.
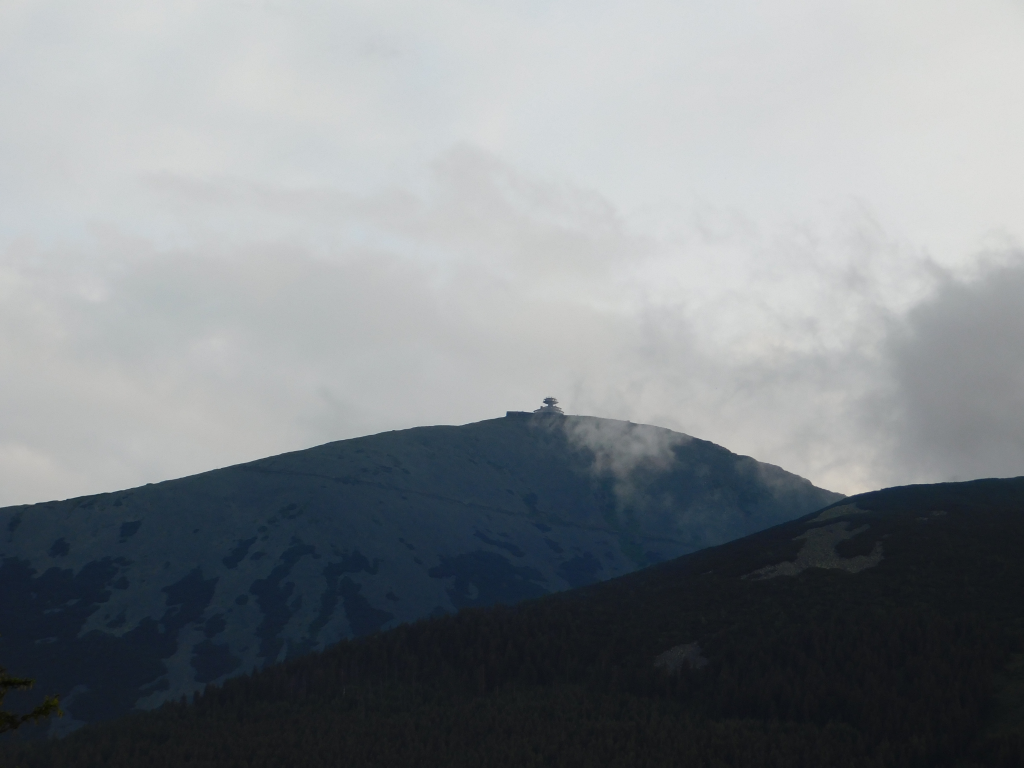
<point x="884" y="630"/>
<point x="126" y="600"/>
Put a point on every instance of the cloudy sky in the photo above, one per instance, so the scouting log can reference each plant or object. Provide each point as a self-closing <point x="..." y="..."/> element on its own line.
<point x="234" y="228"/>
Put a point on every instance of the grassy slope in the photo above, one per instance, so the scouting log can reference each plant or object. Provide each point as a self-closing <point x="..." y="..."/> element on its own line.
<point x="915" y="661"/>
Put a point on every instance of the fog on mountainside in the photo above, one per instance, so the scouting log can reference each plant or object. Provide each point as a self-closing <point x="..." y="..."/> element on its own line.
<point x="129" y="599"/>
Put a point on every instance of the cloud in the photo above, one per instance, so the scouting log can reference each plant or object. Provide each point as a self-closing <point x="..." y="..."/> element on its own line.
<point x="128" y="363"/>
<point x="230" y="229"/>
<point x="655" y="105"/>
<point x="955" y="403"/>
<point x="825" y="346"/>
<point x="620" y="448"/>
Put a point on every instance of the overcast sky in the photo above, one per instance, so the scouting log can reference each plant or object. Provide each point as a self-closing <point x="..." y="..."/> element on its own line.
<point x="231" y="229"/>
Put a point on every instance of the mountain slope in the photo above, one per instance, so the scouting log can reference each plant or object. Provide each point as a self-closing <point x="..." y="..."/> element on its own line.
<point x="128" y="599"/>
<point x="886" y="630"/>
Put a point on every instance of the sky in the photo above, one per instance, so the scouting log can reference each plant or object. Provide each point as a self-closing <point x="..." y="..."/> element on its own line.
<point x="234" y="229"/>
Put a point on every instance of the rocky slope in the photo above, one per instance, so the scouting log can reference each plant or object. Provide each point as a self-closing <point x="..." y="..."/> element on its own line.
<point x="128" y="599"/>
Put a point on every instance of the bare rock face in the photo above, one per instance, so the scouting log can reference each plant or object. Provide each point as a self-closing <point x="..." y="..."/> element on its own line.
<point x="125" y="600"/>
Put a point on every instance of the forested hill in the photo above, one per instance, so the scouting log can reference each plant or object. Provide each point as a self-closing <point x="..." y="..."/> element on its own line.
<point x="883" y="631"/>
<point x="128" y="599"/>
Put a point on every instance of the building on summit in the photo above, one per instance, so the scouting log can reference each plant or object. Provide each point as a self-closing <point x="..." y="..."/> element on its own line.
<point x="550" y="406"/>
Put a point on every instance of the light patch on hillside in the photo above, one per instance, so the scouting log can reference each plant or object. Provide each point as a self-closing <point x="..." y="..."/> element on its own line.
<point x="686" y="655"/>
<point x="840" y="511"/>
<point x="819" y="551"/>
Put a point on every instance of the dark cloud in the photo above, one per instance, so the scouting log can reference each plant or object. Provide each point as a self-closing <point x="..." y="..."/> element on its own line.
<point x="956" y="405"/>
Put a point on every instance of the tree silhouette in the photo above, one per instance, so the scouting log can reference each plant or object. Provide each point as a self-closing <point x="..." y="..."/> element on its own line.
<point x="10" y="721"/>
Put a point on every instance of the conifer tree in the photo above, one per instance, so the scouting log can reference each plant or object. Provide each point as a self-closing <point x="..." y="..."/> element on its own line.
<point x="10" y="721"/>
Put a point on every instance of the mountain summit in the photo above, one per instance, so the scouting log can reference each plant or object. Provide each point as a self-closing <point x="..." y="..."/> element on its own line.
<point x="125" y="600"/>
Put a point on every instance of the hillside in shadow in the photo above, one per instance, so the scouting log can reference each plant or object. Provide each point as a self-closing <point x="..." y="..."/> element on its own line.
<point x="884" y="630"/>
<point x="126" y="600"/>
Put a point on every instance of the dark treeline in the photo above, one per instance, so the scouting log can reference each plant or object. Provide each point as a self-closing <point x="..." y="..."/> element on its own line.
<point x="915" y="662"/>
